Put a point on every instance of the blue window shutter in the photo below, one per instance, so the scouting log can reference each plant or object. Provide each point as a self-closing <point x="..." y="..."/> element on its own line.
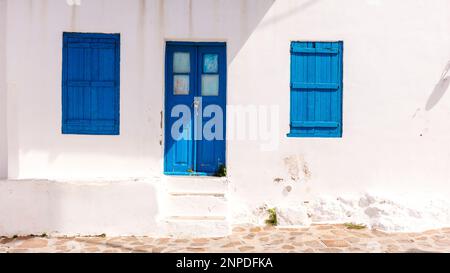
<point x="316" y="89"/>
<point x="91" y="84"/>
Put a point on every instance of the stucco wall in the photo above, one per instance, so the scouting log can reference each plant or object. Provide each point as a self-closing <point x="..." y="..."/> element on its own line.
<point x="73" y="208"/>
<point x="395" y="134"/>
<point x="37" y="149"/>
<point x="3" y="139"/>
<point x="392" y="62"/>
<point x="396" y="126"/>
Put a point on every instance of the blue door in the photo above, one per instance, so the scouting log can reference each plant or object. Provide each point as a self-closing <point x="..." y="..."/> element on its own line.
<point x="195" y="108"/>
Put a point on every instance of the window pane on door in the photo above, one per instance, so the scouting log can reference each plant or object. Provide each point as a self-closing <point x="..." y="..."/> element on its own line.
<point x="181" y="84"/>
<point x="181" y="62"/>
<point x="210" y="85"/>
<point x="210" y="63"/>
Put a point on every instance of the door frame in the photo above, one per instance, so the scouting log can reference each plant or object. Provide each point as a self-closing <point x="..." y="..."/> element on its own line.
<point x="164" y="121"/>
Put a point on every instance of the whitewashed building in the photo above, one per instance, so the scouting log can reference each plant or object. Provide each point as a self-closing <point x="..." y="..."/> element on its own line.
<point x="330" y="111"/>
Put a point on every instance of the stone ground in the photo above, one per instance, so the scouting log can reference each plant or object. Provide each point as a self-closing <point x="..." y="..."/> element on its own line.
<point x="317" y="238"/>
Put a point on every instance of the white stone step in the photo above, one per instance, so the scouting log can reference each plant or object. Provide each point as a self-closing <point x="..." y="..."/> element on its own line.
<point x="197" y="226"/>
<point x="196" y="204"/>
<point x="196" y="184"/>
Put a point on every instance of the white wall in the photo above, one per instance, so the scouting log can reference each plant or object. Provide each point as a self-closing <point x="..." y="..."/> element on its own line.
<point x="87" y="208"/>
<point x="394" y="55"/>
<point x="37" y="149"/>
<point x="3" y="140"/>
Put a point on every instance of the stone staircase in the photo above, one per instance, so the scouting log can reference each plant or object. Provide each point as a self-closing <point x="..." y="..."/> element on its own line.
<point x="196" y="206"/>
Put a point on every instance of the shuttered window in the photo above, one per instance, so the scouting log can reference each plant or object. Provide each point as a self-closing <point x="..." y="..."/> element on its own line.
<point x="316" y="89"/>
<point x="91" y="84"/>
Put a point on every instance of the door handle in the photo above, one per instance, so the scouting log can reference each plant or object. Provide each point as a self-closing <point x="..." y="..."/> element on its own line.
<point x="196" y="105"/>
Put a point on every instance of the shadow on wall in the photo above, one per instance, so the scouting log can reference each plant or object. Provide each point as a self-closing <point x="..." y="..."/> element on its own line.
<point x="440" y="89"/>
<point x="149" y="23"/>
<point x="300" y="8"/>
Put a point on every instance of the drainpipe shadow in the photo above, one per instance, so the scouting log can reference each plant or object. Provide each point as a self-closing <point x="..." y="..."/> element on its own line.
<point x="439" y="90"/>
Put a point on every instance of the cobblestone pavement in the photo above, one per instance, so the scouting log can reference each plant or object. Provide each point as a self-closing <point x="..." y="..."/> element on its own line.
<point x="317" y="238"/>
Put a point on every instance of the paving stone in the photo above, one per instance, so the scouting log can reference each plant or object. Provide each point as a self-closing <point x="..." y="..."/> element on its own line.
<point x="330" y="250"/>
<point x="193" y="244"/>
<point x="443" y="242"/>
<point x="288" y="247"/>
<point x="317" y="238"/>
<point x="352" y="240"/>
<point x="297" y="233"/>
<point x="255" y="229"/>
<point x="200" y="240"/>
<point x="335" y="243"/>
<point x="195" y="249"/>
<point x="33" y="243"/>
<point x="231" y="245"/>
<point x="158" y="249"/>
<point x="339" y="232"/>
<point x="314" y="244"/>
<point x="355" y="249"/>
<point x="249" y="236"/>
<point x="431" y="232"/>
<point x="142" y="249"/>
<point x="323" y="227"/>
<point x="327" y="236"/>
<point x="269" y="228"/>
<point x="393" y="248"/>
<point x="246" y="248"/>
<point x="238" y="229"/>
<point x="424" y="244"/>
<point x="379" y="233"/>
<point x="110" y="250"/>
<point x="6" y="240"/>
<point x="362" y="235"/>
<point x="162" y="240"/>
<point x="19" y="250"/>
<point x="92" y="249"/>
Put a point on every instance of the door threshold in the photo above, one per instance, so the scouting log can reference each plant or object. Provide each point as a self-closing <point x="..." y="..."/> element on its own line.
<point x="191" y="174"/>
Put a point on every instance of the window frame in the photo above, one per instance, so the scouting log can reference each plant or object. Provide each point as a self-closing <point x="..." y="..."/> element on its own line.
<point x="90" y="129"/>
<point x="295" y="131"/>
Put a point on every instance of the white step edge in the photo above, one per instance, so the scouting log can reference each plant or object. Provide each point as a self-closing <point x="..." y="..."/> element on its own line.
<point x="196" y="184"/>
<point x="214" y="194"/>
<point x="196" y="218"/>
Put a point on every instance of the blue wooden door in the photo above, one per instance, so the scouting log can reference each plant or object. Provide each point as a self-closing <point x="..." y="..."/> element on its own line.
<point x="179" y="124"/>
<point x="210" y="148"/>
<point x="195" y="100"/>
